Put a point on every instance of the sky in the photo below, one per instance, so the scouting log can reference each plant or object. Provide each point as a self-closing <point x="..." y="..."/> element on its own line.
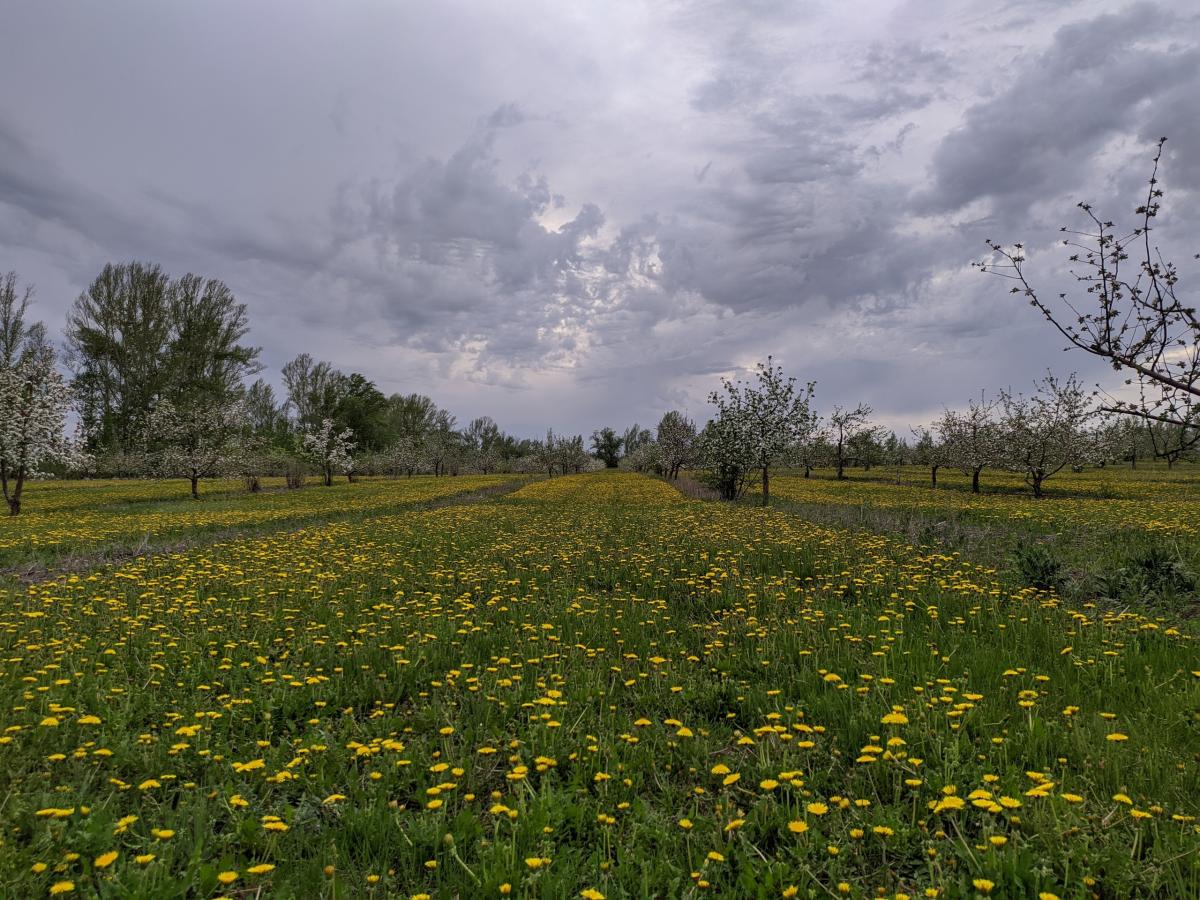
<point x="577" y="214"/>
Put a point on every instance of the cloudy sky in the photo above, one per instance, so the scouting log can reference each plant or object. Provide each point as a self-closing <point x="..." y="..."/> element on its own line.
<point x="575" y="214"/>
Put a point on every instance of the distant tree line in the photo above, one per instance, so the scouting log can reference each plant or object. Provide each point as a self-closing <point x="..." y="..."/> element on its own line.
<point x="160" y="384"/>
<point x="163" y="383"/>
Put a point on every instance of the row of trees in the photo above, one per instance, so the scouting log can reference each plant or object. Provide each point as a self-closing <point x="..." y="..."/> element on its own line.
<point x="159" y="386"/>
<point x="1135" y="318"/>
<point x="771" y="423"/>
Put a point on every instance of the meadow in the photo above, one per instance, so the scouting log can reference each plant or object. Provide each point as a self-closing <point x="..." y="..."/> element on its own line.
<point x="593" y="687"/>
<point x="1126" y="535"/>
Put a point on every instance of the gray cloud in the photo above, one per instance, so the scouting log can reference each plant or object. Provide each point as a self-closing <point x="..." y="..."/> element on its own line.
<point x="601" y="208"/>
<point x="1100" y="79"/>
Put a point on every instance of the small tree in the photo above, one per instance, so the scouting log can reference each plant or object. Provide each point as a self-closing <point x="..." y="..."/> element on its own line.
<point x="404" y="455"/>
<point x="772" y="416"/>
<point x="865" y="447"/>
<point x="844" y="426"/>
<point x="546" y="452"/>
<point x="197" y="441"/>
<point x="676" y="442"/>
<point x="606" y="444"/>
<point x="723" y="450"/>
<point x="34" y="399"/>
<point x="643" y="458"/>
<point x="442" y="443"/>
<point x="928" y="451"/>
<point x="483" y="443"/>
<point x="330" y="449"/>
<point x="635" y="436"/>
<point x="971" y="440"/>
<point x="895" y="453"/>
<point x="487" y="459"/>
<point x="1047" y="432"/>
<point x="1135" y="318"/>
<point x="812" y="449"/>
<point x="570" y="455"/>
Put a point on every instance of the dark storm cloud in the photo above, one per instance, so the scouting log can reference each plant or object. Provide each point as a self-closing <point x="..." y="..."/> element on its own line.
<point x="1103" y="78"/>
<point x="601" y="208"/>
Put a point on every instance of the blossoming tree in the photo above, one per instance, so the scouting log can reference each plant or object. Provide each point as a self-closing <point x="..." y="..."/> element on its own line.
<point x="34" y="397"/>
<point x="330" y="449"/>
<point x="769" y="417"/>
<point x="1048" y="431"/>
<point x="196" y="440"/>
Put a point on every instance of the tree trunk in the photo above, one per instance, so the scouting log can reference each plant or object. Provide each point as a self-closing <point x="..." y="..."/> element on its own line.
<point x="766" y="486"/>
<point x="195" y="480"/>
<point x="933" y="474"/>
<point x="14" y="499"/>
<point x="1036" y="484"/>
<point x="328" y="476"/>
<point x="807" y="470"/>
<point x="975" y="479"/>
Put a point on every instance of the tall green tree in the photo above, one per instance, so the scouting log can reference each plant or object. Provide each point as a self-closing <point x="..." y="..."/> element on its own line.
<point x="362" y="408"/>
<point x="118" y="334"/>
<point x="606" y="444"/>
<point x="314" y="389"/>
<point x="136" y="336"/>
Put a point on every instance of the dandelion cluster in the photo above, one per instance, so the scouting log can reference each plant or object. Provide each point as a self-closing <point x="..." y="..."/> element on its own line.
<point x="76" y="517"/>
<point x="1152" y="501"/>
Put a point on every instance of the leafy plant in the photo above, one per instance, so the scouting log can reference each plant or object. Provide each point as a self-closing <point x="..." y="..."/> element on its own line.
<point x="1037" y="565"/>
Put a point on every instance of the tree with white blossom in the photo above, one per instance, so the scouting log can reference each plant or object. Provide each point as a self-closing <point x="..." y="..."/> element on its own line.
<point x="676" y="442"/>
<point x="34" y="398"/>
<point x="196" y="440"/>
<point x="971" y="440"/>
<point x="330" y="449"/>
<point x="1048" y="431"/>
<point x="722" y="449"/>
<point x="404" y="454"/>
<point x="770" y="417"/>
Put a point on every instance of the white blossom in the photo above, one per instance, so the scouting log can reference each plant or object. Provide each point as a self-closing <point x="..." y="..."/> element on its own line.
<point x="200" y="440"/>
<point x="34" y="400"/>
<point x="330" y="449"/>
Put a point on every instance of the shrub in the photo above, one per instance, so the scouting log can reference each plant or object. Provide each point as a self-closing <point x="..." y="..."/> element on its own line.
<point x="1037" y="565"/>
<point x="1155" y="574"/>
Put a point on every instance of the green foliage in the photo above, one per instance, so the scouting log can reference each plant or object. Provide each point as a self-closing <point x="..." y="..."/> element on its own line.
<point x="1155" y="575"/>
<point x="137" y="336"/>
<point x="606" y="444"/>
<point x="1036" y="565"/>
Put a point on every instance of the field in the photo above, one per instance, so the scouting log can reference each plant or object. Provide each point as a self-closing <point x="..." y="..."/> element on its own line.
<point x="1131" y="536"/>
<point x="64" y="519"/>
<point x="592" y="686"/>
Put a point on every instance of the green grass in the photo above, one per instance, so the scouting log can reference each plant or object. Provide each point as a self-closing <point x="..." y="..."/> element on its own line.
<point x="1116" y="535"/>
<point x="435" y="701"/>
<point x="81" y="524"/>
